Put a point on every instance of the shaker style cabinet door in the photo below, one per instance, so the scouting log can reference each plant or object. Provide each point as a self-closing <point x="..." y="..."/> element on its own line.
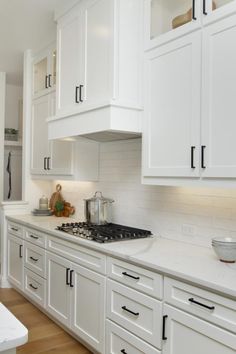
<point x="185" y="334"/>
<point x="15" y="261"/>
<point x="70" y="61"/>
<point x="218" y="99"/>
<point x="214" y="10"/>
<point x="58" y="288"/>
<point x="172" y="109"/>
<point x="88" y="306"/>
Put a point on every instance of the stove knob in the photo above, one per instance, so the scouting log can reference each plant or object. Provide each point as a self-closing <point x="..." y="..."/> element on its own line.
<point x="63" y="225"/>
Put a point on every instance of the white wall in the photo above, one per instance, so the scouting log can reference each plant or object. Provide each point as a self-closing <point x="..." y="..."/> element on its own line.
<point x="164" y="210"/>
<point x="13" y="95"/>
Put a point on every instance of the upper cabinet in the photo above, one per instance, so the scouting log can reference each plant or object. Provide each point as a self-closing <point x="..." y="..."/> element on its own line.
<point x="44" y="72"/>
<point x="189" y="119"/>
<point x="99" y="67"/>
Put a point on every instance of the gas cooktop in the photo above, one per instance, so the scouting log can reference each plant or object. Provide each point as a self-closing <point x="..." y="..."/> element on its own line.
<point x="103" y="233"/>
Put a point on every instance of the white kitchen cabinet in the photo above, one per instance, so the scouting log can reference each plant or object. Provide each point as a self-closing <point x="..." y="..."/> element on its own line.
<point x="172" y="109"/>
<point x="99" y="86"/>
<point x="76" y="297"/>
<point x="184" y="333"/>
<point x="214" y="10"/>
<point x="218" y="99"/>
<point x="53" y="157"/>
<point x="58" y="288"/>
<point x="15" y="261"/>
<point x="88" y="306"/>
<point x="44" y="72"/>
<point x="161" y="23"/>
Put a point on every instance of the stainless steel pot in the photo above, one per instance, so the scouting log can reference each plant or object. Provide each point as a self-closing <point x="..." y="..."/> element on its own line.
<point x="98" y="209"/>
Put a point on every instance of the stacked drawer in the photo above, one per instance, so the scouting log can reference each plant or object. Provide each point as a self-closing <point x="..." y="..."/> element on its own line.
<point x="133" y="303"/>
<point x="35" y="265"/>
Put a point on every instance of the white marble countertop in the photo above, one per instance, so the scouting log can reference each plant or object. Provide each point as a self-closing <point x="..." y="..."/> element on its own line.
<point x="12" y="332"/>
<point x="181" y="260"/>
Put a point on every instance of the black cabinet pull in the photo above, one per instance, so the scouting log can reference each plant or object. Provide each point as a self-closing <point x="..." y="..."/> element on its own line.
<point x="67" y="276"/>
<point x="34" y="237"/>
<point x="192" y="156"/>
<point x="33" y="287"/>
<point x="127" y="310"/>
<point x="123" y="351"/>
<point x="49" y="80"/>
<point x="44" y="163"/>
<point x="14" y="229"/>
<point x="131" y="276"/>
<point x="80" y="93"/>
<point x="200" y="304"/>
<point x="48" y="163"/>
<point x="77" y="88"/>
<point x="46" y="81"/>
<point x="71" y="284"/>
<point x="193" y="11"/>
<point x="203" y="156"/>
<point x="164" y="318"/>
<point x="204" y="8"/>
<point x="20" y="251"/>
<point x="34" y="259"/>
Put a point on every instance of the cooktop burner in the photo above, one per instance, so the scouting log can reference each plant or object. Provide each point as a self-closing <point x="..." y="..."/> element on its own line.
<point x="103" y="233"/>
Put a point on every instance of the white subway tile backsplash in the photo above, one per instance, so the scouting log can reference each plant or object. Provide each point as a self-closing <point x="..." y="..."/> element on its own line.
<point x="164" y="210"/>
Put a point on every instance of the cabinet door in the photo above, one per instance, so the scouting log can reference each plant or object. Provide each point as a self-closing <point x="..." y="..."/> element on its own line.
<point x="40" y="72"/>
<point x="187" y="334"/>
<point x="40" y="146"/>
<point x="214" y="10"/>
<point x="218" y="99"/>
<point x="70" y="63"/>
<point x="58" y="290"/>
<point x="97" y="27"/>
<point x="167" y="19"/>
<point x="172" y="109"/>
<point x="15" y="261"/>
<point x="88" y="303"/>
<point x="61" y="151"/>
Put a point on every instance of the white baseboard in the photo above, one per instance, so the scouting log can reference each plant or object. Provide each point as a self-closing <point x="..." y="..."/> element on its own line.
<point x="4" y="283"/>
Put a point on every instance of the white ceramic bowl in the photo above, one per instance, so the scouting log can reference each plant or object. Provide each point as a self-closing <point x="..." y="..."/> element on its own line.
<point x="226" y="253"/>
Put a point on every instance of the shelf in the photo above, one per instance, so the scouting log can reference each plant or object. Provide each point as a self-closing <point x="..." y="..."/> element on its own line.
<point x="12" y="143"/>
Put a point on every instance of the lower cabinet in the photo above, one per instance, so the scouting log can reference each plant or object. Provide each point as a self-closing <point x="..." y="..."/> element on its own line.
<point x="185" y="334"/>
<point x="76" y="297"/>
<point x="15" y="261"/>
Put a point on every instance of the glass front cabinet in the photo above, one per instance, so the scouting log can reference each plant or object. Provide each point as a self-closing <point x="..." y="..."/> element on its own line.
<point x="169" y="19"/>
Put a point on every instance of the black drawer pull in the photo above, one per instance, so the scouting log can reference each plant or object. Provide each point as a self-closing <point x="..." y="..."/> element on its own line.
<point x="123" y="351"/>
<point x="71" y="284"/>
<point x="193" y="11"/>
<point x="203" y="156"/>
<point x="76" y="94"/>
<point x="44" y="163"/>
<point x="164" y="327"/>
<point x="200" y="304"/>
<point x="14" y="229"/>
<point x="49" y="80"/>
<point x="48" y="163"/>
<point x="80" y="93"/>
<point x="131" y="276"/>
<point x="127" y="310"/>
<point x="192" y="156"/>
<point x="20" y="251"/>
<point x="34" y="237"/>
<point x="34" y="259"/>
<point x="46" y="81"/>
<point x="33" y="287"/>
<point x="67" y="276"/>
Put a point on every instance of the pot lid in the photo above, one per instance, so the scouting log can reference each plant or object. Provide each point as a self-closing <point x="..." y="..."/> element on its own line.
<point x="99" y="197"/>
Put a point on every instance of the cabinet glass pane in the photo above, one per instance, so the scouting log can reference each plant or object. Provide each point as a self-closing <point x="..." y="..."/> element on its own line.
<point x="40" y="72"/>
<point x="54" y="67"/>
<point x="169" y="14"/>
<point x="219" y="3"/>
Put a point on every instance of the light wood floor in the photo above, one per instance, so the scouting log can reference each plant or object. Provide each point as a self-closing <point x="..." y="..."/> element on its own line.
<point x="44" y="335"/>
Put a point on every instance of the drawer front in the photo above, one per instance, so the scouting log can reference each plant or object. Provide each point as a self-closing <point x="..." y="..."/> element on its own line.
<point x="119" y="341"/>
<point x="35" y="237"/>
<point x="202" y="303"/>
<point x="138" y="313"/>
<point x="83" y="256"/>
<point x="136" y="277"/>
<point x="34" y="259"/>
<point x="15" y="229"/>
<point x="35" y="287"/>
